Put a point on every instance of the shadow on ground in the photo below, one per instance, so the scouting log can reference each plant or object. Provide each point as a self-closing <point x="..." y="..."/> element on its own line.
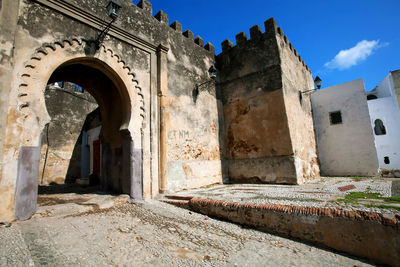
<point x="70" y="188"/>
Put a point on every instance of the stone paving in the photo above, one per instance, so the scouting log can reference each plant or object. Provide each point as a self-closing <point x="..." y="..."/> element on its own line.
<point x="151" y="234"/>
<point x="84" y="227"/>
<point x="320" y="193"/>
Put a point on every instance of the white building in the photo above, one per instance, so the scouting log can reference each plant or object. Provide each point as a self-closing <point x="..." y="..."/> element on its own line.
<point x="383" y="104"/>
<point x="344" y="136"/>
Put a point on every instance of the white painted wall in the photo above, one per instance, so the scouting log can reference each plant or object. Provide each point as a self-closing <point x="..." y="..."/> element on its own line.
<point x="386" y="109"/>
<point x="384" y="88"/>
<point x="345" y="149"/>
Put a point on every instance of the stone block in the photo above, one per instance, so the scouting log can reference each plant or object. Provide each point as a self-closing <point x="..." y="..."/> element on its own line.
<point x="226" y="45"/>
<point x="270" y="26"/>
<point x="241" y="38"/>
<point x="198" y="40"/>
<point x="188" y="34"/>
<point x="255" y="32"/>
<point x="146" y="6"/>
<point x="161" y="16"/>
<point x="210" y="47"/>
<point x="176" y="26"/>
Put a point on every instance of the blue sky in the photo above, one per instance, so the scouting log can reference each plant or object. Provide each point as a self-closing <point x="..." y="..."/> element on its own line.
<point x="340" y="40"/>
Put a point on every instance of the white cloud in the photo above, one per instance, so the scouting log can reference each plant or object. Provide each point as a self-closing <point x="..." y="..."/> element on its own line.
<point x="353" y="56"/>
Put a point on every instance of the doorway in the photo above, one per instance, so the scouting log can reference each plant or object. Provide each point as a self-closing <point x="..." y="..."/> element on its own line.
<point x="115" y="164"/>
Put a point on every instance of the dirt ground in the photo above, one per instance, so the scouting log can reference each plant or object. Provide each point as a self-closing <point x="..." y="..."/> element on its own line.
<point x="148" y="234"/>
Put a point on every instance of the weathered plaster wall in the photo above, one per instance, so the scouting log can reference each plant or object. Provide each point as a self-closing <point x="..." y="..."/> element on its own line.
<point x="345" y="149"/>
<point x="297" y="78"/>
<point x="68" y="110"/>
<point x="130" y="54"/>
<point x="8" y="24"/>
<point x="37" y="26"/>
<point x="264" y="122"/>
<point x="192" y="114"/>
<point x="191" y="125"/>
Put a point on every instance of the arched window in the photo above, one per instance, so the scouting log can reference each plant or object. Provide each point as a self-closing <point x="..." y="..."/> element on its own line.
<point x="379" y="127"/>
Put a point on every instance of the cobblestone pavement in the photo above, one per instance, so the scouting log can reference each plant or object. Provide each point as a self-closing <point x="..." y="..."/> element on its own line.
<point x="319" y="193"/>
<point x="152" y="234"/>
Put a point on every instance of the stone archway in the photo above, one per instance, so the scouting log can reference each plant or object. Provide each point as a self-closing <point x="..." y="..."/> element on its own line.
<point x="122" y="106"/>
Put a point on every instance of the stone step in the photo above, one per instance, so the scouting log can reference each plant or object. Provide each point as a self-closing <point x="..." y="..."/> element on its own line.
<point x="178" y="197"/>
<point x="177" y="202"/>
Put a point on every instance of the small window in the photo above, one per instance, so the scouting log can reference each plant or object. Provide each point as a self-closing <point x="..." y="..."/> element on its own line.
<point x="386" y="160"/>
<point x="335" y="117"/>
<point x="371" y="97"/>
<point x="379" y="128"/>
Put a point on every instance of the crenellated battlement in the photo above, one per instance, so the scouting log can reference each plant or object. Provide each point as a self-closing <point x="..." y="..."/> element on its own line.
<point x="163" y="18"/>
<point x="290" y="46"/>
<point x="256" y="35"/>
<point x="195" y="119"/>
<point x="146" y="6"/>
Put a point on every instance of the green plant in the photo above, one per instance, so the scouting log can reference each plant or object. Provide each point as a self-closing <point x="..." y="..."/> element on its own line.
<point x="354" y="197"/>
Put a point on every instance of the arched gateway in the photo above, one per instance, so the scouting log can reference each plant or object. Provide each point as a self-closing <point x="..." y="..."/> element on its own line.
<point x="141" y="74"/>
<point x="121" y="104"/>
<point x="166" y="124"/>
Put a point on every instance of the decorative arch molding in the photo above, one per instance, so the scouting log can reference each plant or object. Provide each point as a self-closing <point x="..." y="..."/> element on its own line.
<point x="50" y="56"/>
<point x="27" y="116"/>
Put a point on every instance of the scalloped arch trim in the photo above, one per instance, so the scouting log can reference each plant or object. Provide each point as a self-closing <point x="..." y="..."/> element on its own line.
<point x="70" y="47"/>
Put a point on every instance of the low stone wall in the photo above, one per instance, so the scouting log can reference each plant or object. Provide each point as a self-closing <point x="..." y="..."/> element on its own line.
<point x="360" y="233"/>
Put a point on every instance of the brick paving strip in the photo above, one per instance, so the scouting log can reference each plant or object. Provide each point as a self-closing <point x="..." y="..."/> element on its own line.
<point x="365" y="234"/>
<point x="347" y="187"/>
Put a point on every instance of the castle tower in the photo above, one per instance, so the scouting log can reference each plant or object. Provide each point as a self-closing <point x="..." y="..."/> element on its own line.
<point x="268" y="128"/>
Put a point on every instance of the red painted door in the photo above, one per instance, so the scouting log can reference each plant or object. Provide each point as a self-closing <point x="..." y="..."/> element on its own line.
<point x="96" y="157"/>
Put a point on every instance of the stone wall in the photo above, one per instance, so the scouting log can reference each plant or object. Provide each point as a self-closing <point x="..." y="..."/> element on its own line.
<point x="8" y="25"/>
<point x="297" y="79"/>
<point x="189" y="126"/>
<point x="191" y="114"/>
<point x="160" y="64"/>
<point x="68" y="109"/>
<point x="164" y="120"/>
<point x="265" y="137"/>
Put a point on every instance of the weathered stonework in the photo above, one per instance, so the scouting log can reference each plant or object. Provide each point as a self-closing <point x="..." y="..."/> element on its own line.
<point x="166" y="125"/>
<point x="140" y="69"/>
<point x="269" y="131"/>
<point x="61" y="140"/>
